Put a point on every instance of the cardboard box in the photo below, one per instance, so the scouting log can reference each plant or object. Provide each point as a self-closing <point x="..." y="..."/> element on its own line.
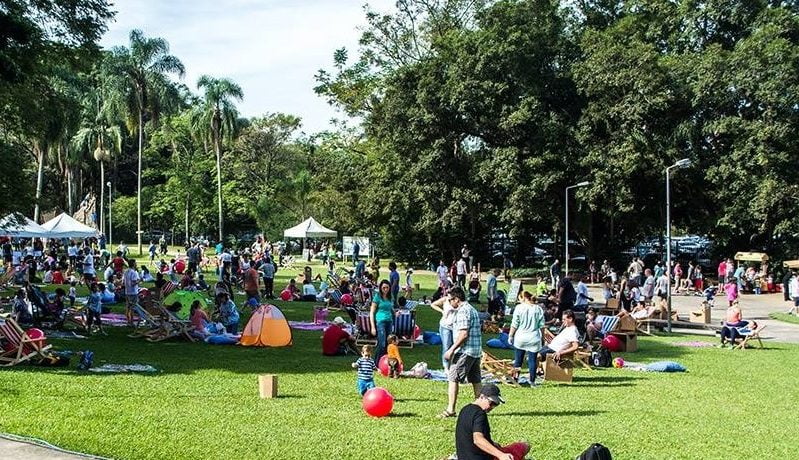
<point x="267" y="385"/>
<point x="629" y="341"/>
<point x="558" y="372"/>
<point x="627" y="323"/>
<point x="702" y="315"/>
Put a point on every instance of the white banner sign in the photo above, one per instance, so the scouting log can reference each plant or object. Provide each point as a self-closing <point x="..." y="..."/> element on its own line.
<point x="348" y="243"/>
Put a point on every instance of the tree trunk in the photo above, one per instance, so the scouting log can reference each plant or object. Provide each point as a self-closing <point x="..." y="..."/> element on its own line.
<point x="102" y="197"/>
<point x="39" y="179"/>
<point x="138" y="179"/>
<point x="218" y="149"/>
<point x="188" y="197"/>
<point x="70" y="209"/>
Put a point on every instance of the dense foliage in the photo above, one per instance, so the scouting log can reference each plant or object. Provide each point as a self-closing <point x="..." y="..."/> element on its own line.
<point x="462" y="121"/>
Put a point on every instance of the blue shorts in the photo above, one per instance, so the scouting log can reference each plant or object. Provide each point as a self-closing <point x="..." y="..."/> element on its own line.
<point x="365" y="385"/>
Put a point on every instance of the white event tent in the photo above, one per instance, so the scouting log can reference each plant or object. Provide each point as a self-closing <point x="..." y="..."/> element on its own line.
<point x="309" y="228"/>
<point x="21" y="227"/>
<point x="64" y="226"/>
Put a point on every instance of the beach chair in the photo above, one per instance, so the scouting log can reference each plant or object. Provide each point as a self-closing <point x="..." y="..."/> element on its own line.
<point x="404" y="325"/>
<point x="171" y="326"/>
<point x="7" y="277"/>
<point x="20" y="347"/>
<point x="363" y="329"/>
<point x="148" y="324"/>
<point x="501" y="369"/>
<point x="747" y="335"/>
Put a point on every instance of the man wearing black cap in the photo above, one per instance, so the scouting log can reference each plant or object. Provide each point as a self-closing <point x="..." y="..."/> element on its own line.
<point x="473" y="434"/>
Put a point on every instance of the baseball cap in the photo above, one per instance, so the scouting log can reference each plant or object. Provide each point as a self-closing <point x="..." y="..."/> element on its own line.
<point x="339" y="320"/>
<point x="491" y="392"/>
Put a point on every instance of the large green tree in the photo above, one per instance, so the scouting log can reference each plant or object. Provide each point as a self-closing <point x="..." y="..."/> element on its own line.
<point x="141" y="89"/>
<point x="216" y="117"/>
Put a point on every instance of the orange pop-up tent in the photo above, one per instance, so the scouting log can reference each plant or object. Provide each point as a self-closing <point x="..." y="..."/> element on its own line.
<point x="267" y="328"/>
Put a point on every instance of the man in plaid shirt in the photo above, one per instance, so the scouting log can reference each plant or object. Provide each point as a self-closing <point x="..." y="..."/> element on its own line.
<point x="466" y="350"/>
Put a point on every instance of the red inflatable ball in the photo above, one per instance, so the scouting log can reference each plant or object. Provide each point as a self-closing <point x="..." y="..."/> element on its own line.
<point x="378" y="402"/>
<point x="347" y="299"/>
<point x="285" y="295"/>
<point x="382" y="365"/>
<point x="37" y="335"/>
<point x="180" y="266"/>
<point x="612" y="343"/>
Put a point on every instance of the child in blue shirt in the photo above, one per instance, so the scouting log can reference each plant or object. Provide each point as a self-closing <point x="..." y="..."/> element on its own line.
<point x="366" y="370"/>
<point x="228" y="313"/>
<point x="93" y="309"/>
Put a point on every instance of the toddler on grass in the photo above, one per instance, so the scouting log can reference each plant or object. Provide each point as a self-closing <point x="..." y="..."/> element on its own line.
<point x="366" y="370"/>
<point x="394" y="358"/>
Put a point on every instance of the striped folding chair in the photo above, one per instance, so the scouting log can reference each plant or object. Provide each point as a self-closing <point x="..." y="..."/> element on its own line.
<point x="21" y="347"/>
<point x="609" y="323"/>
<point x="404" y="324"/>
<point x="363" y="330"/>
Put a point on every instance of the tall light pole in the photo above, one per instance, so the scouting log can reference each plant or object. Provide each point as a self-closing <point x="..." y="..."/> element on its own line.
<point x="109" y="212"/>
<point x="566" y="240"/>
<point x="684" y="163"/>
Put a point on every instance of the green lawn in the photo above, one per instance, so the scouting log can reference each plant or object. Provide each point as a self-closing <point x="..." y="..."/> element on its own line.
<point x="780" y="316"/>
<point x="204" y="403"/>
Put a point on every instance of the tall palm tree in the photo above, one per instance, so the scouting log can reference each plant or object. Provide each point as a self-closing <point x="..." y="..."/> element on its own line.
<point x="217" y="118"/>
<point x="141" y="87"/>
<point x="101" y="141"/>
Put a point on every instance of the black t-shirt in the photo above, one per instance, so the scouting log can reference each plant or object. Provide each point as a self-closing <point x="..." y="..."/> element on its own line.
<point x="569" y="295"/>
<point x="472" y="419"/>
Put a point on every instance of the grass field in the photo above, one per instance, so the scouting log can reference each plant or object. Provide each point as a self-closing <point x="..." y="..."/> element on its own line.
<point x="204" y="403"/>
<point x="784" y="317"/>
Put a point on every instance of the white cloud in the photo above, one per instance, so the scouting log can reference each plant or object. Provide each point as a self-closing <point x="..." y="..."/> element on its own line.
<point x="271" y="48"/>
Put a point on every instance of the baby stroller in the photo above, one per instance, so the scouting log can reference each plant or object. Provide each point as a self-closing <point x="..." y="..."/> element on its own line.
<point x="473" y="295"/>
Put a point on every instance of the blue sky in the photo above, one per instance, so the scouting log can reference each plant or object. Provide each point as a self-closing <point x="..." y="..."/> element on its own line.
<point x="271" y="48"/>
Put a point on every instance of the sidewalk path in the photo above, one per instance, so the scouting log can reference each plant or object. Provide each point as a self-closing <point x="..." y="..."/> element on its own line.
<point x="14" y="450"/>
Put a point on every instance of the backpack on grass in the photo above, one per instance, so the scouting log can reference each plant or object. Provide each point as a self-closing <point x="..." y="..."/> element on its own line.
<point x="601" y="357"/>
<point x="596" y="451"/>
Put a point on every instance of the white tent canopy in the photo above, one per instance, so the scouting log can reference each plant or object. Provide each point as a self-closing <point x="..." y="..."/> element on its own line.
<point x="309" y="228"/>
<point x="21" y="227"/>
<point x="64" y="226"/>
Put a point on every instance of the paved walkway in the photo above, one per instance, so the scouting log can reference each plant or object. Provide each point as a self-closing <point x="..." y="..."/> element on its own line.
<point x="13" y="450"/>
<point x="753" y="307"/>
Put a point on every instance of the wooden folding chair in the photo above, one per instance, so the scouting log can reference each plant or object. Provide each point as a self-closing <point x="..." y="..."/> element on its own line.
<point x="171" y="326"/>
<point x="148" y="324"/>
<point x="501" y="369"/>
<point x="21" y="347"/>
<point x="753" y="334"/>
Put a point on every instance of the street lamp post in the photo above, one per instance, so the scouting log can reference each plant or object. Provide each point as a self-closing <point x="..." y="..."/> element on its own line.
<point x="684" y="163"/>
<point x="109" y="212"/>
<point x="566" y="243"/>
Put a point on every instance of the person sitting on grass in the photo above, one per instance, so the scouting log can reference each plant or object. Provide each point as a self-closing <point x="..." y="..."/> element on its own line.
<point x="228" y="313"/>
<point x="199" y="319"/>
<point x="366" y="370"/>
<point x="394" y="358"/>
<point x="308" y="291"/>
<point x="94" y="307"/>
<point x="564" y="343"/>
<point x="473" y="433"/>
<point x="201" y="283"/>
<point x="293" y="290"/>
<point x="21" y="310"/>
<point x="336" y="341"/>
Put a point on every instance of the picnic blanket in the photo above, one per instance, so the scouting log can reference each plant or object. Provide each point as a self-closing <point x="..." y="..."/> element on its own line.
<point x="694" y="344"/>
<point x="114" y="319"/>
<point x="123" y="368"/>
<point x="307" y="326"/>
